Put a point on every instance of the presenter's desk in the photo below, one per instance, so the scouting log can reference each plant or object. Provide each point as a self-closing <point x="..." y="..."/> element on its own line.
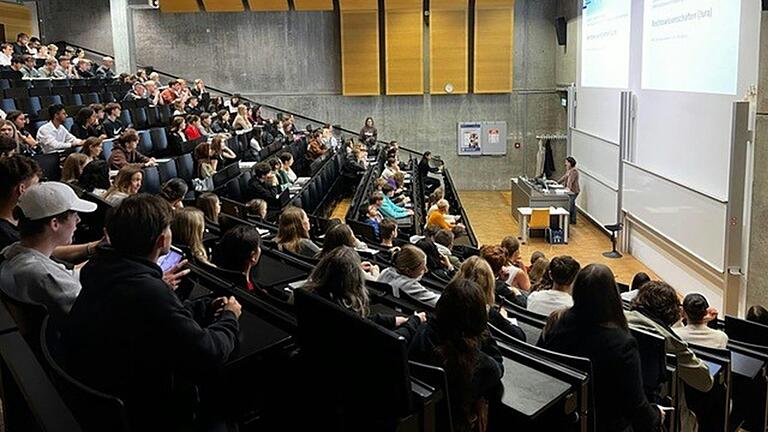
<point x="527" y="193"/>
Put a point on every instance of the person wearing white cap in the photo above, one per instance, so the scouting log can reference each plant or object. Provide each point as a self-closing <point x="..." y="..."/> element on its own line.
<point x="47" y="215"/>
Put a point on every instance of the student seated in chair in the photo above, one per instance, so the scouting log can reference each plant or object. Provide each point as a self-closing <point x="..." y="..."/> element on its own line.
<point x="410" y="266"/>
<point x="339" y="278"/>
<point x="437" y="218"/>
<point x="457" y="340"/>
<point x="444" y="242"/>
<point x="655" y="309"/>
<point x="293" y="233"/>
<point x="563" y="271"/>
<point x="341" y="235"/>
<point x="479" y="271"/>
<point x="125" y="152"/>
<point x="264" y="185"/>
<point x="239" y="250"/>
<point x="497" y="258"/>
<point x="514" y="268"/>
<point x="697" y="314"/>
<point x="374" y="219"/>
<point x="757" y="314"/>
<point x="387" y="207"/>
<point x="17" y="175"/>
<point x="388" y="232"/>
<point x="595" y="328"/>
<point x="47" y="215"/>
<point x="130" y="336"/>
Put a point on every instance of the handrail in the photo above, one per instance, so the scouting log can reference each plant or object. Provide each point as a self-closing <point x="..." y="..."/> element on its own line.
<point x="230" y="94"/>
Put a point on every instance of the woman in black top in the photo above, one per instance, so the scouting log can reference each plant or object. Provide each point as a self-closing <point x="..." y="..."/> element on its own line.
<point x="83" y="124"/>
<point x="368" y="134"/>
<point x="339" y="278"/>
<point x="595" y="328"/>
<point x="430" y="183"/>
<point x="457" y="340"/>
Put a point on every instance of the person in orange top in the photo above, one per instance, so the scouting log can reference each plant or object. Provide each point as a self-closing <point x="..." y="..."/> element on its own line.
<point x="437" y="217"/>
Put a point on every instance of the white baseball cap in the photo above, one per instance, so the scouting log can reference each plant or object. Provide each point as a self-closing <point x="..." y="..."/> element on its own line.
<point x="50" y="199"/>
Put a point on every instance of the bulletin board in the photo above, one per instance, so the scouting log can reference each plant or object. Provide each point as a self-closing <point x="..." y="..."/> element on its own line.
<point x="482" y="138"/>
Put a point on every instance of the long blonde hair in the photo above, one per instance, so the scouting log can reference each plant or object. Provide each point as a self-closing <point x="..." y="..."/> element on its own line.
<point x="188" y="226"/>
<point x="73" y="167"/>
<point x="479" y="271"/>
<point x="123" y="180"/>
<point x="291" y="230"/>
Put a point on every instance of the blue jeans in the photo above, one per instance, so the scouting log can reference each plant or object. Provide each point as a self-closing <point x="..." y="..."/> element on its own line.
<point x="573" y="207"/>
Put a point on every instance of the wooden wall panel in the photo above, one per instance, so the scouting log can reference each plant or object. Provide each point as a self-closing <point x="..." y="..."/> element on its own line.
<point x="313" y="5"/>
<point x="360" y="53"/>
<point x="16" y="19"/>
<point x="173" y="6"/>
<point x="449" y="46"/>
<point x="223" y="5"/>
<point x="358" y="5"/>
<point x="404" y="47"/>
<point x="268" y="5"/>
<point x="494" y="47"/>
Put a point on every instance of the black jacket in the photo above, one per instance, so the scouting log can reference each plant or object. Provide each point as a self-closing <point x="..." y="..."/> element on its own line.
<point x="618" y="387"/>
<point x="129" y="335"/>
<point x="425" y="169"/>
<point x="352" y="168"/>
<point x="221" y="127"/>
<point x="497" y="319"/>
<point x="407" y="330"/>
<point x="79" y="131"/>
<point x="503" y="291"/>
<point x="269" y="193"/>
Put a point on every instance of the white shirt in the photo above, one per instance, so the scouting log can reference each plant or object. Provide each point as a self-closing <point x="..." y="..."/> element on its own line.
<point x="4" y="60"/>
<point x="53" y="139"/>
<point x="700" y="334"/>
<point x="548" y="301"/>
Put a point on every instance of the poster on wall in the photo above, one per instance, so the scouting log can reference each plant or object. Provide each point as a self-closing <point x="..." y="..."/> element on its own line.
<point x="494" y="138"/>
<point x="469" y="138"/>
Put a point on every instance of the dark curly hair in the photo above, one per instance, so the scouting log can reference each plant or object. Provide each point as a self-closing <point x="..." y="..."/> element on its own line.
<point x="660" y="300"/>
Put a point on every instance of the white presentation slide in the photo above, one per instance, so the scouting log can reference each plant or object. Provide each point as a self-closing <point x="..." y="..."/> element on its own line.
<point x="605" y="43"/>
<point x="691" y="45"/>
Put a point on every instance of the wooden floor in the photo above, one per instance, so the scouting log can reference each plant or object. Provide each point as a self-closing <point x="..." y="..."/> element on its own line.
<point x="490" y="215"/>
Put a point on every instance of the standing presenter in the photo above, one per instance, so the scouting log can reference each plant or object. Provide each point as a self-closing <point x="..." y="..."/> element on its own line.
<point x="571" y="181"/>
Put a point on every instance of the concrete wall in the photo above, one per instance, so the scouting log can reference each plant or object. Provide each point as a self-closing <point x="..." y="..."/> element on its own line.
<point x="292" y="60"/>
<point x="757" y="277"/>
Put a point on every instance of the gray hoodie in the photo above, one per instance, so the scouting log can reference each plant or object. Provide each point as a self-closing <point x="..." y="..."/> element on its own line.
<point x="408" y="285"/>
<point x="30" y="276"/>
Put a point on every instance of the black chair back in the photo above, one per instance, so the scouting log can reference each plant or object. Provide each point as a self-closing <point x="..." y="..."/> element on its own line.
<point x="49" y="163"/>
<point x="365" y="366"/>
<point x="653" y="362"/>
<point x="94" y="410"/>
<point x="437" y="380"/>
<point x="746" y="331"/>
<point x="29" y="319"/>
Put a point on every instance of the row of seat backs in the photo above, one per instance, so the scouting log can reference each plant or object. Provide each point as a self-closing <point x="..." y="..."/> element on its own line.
<point x="6" y="83"/>
<point x="182" y="167"/>
<point x="316" y="190"/>
<point x="17" y="89"/>
<point x="452" y="195"/>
